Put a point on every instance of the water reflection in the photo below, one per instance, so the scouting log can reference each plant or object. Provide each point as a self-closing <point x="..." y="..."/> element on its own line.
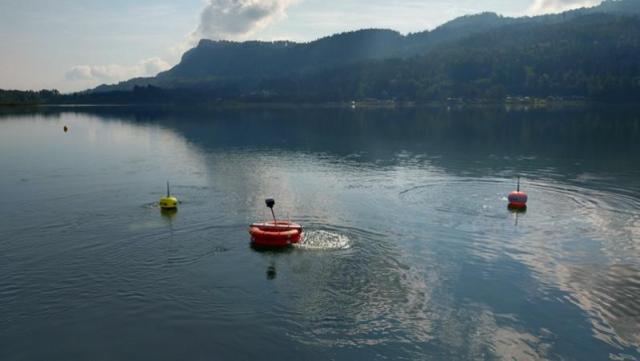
<point x="410" y="253"/>
<point x="271" y="272"/>
<point x="168" y="213"/>
<point x="611" y="296"/>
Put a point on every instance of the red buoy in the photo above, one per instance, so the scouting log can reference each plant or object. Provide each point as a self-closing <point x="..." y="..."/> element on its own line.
<point x="276" y="234"/>
<point x="518" y="199"/>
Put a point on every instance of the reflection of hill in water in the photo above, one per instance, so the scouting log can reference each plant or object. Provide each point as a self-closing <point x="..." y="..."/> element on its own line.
<point x="573" y="143"/>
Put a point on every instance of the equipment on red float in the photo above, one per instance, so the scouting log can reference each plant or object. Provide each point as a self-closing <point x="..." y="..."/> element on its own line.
<point x="275" y="234"/>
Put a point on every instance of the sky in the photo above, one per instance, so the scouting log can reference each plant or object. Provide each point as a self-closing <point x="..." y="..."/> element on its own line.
<point x="74" y="45"/>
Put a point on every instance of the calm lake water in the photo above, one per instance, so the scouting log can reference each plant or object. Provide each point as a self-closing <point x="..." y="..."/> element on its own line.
<point x="411" y="252"/>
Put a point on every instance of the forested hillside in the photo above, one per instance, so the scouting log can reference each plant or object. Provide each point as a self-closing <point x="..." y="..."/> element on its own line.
<point x="588" y="53"/>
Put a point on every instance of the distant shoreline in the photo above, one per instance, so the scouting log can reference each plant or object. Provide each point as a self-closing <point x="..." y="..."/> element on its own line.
<point x="523" y="104"/>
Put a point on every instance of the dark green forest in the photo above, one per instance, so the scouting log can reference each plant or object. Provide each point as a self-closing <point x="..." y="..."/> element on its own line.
<point x="591" y="54"/>
<point x="17" y="97"/>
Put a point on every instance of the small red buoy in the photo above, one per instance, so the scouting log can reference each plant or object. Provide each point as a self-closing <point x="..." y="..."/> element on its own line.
<point x="276" y="234"/>
<point x="518" y="199"/>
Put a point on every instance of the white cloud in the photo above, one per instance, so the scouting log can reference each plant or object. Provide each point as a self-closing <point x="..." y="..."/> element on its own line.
<point x="155" y="65"/>
<point x="556" y="6"/>
<point x="115" y="72"/>
<point x="233" y="20"/>
<point x="219" y="20"/>
<point x="238" y="19"/>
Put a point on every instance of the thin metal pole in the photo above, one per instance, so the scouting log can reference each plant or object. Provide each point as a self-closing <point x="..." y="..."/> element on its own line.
<point x="518" y="183"/>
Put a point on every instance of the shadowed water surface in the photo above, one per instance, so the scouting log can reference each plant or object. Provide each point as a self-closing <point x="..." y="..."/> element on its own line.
<point x="411" y="252"/>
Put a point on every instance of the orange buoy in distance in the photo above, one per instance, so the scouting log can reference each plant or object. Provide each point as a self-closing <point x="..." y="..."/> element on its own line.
<point x="518" y="199"/>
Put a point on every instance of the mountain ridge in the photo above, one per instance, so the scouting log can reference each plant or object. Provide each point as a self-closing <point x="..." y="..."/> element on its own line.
<point x="210" y="60"/>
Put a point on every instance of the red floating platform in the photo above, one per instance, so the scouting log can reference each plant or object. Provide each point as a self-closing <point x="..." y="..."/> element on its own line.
<point x="275" y="234"/>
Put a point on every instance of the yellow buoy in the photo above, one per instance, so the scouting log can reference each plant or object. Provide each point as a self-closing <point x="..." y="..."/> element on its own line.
<point x="168" y="202"/>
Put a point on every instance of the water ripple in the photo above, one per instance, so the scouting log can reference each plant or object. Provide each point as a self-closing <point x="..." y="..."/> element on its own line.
<point x="324" y="240"/>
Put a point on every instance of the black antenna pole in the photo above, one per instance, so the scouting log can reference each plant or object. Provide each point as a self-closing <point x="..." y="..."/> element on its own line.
<point x="518" y="183"/>
<point x="168" y="194"/>
<point x="270" y="202"/>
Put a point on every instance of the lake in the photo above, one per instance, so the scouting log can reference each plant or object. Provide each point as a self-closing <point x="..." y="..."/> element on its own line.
<point x="410" y="250"/>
